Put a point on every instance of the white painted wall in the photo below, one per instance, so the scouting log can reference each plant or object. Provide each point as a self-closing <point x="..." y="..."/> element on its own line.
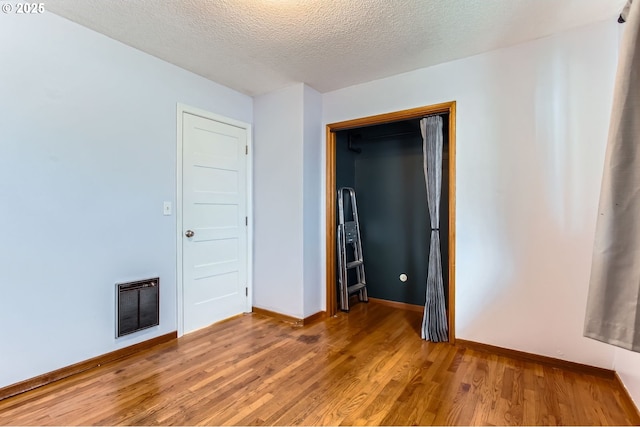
<point x="287" y="201"/>
<point x="312" y="199"/>
<point x="87" y="157"/>
<point x="531" y="132"/>
<point x="278" y="201"/>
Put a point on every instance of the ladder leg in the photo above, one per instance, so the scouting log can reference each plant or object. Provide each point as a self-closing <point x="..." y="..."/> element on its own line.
<point x="343" y="275"/>
<point x="344" y="288"/>
<point x="341" y="282"/>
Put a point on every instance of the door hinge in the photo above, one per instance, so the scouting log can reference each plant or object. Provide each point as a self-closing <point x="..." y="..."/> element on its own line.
<point x="246" y="221"/>
<point x="246" y="149"/>
<point x="246" y="292"/>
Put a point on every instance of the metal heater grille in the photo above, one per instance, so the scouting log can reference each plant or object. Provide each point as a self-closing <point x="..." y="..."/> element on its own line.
<point x="138" y="305"/>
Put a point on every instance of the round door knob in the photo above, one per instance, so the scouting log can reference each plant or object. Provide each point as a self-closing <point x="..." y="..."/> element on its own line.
<point x="189" y="233"/>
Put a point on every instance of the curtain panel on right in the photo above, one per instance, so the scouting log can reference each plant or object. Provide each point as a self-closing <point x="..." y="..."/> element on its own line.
<point x="613" y="306"/>
<point x="434" y="320"/>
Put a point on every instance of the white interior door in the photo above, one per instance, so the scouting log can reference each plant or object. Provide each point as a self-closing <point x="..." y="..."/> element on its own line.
<point x="214" y="231"/>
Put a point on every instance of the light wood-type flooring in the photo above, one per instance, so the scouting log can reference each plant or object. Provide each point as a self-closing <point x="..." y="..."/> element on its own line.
<point x="368" y="367"/>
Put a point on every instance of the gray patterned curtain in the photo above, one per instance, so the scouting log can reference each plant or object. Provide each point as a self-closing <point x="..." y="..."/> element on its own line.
<point x="434" y="320"/>
<point x="613" y="306"/>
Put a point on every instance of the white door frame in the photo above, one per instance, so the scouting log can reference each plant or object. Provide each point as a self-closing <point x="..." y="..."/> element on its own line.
<point x="181" y="109"/>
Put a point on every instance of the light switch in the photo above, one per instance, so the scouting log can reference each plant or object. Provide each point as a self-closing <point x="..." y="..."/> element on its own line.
<point x="166" y="209"/>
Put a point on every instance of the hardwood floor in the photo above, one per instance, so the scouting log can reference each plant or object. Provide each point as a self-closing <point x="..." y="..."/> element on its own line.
<point x="368" y="367"/>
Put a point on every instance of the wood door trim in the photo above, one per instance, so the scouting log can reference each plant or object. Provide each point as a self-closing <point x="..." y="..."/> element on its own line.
<point x="413" y="113"/>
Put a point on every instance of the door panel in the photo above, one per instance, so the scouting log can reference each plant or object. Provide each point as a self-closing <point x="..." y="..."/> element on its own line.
<point x="214" y="207"/>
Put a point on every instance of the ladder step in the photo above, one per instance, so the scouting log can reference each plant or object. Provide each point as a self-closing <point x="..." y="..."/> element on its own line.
<point x="355" y="288"/>
<point x="354" y="263"/>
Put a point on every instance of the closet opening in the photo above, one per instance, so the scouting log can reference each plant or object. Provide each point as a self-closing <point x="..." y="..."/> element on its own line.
<point x="381" y="158"/>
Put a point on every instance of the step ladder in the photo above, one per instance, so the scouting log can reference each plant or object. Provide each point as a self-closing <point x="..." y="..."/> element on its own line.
<point x="350" y="251"/>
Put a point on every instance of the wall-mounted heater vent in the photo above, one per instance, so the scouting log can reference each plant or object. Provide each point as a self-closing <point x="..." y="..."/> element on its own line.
<point x="138" y="305"/>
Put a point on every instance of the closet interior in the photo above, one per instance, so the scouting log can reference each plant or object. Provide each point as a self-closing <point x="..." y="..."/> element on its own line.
<point x="384" y="164"/>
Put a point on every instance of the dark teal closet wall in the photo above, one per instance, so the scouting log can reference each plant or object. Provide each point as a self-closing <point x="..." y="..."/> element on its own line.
<point x="345" y="162"/>
<point x="392" y="203"/>
<point x="345" y="177"/>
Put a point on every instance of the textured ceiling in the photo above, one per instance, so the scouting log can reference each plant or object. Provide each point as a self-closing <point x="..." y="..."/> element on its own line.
<point x="256" y="46"/>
